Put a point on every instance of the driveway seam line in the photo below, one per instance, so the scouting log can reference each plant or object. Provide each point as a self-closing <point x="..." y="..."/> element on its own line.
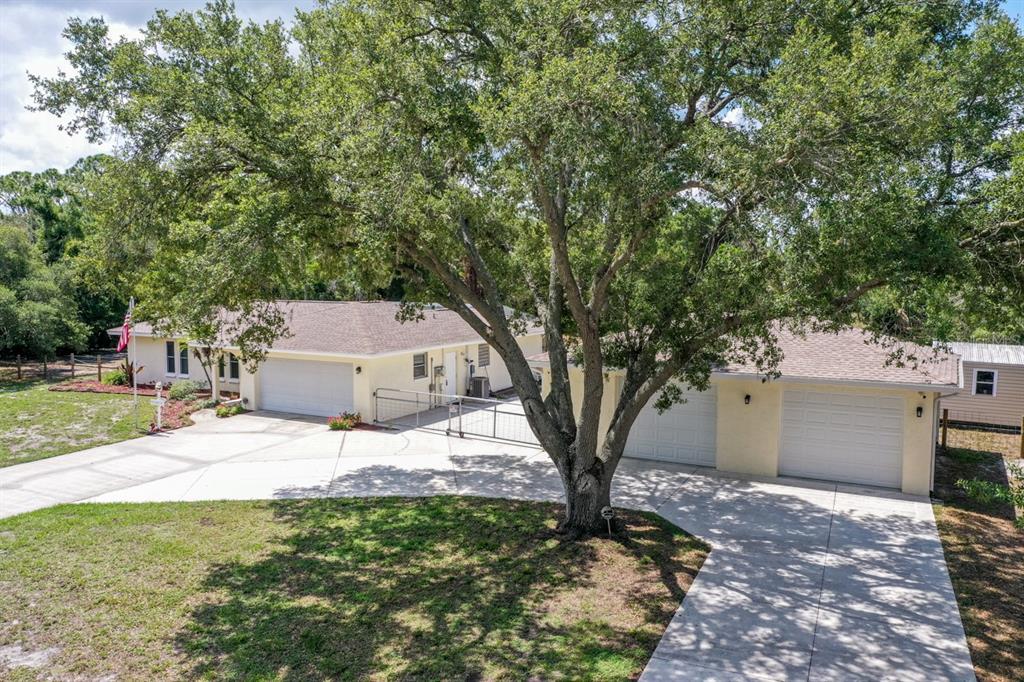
<point x="678" y="489"/>
<point x="451" y="463"/>
<point x="821" y="585"/>
<point x="337" y="461"/>
<point x="193" y="483"/>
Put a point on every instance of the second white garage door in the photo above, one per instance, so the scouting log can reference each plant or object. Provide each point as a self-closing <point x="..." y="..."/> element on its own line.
<point x="306" y="386"/>
<point x="685" y="433"/>
<point x="846" y="437"/>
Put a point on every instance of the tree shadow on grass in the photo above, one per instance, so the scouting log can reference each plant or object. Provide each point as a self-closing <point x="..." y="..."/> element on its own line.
<point x="429" y="588"/>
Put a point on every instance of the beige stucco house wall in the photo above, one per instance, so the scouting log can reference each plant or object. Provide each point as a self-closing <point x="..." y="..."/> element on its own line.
<point x="393" y="371"/>
<point x="748" y="436"/>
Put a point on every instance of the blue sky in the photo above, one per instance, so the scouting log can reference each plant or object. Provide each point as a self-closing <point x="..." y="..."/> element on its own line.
<point x="32" y="43"/>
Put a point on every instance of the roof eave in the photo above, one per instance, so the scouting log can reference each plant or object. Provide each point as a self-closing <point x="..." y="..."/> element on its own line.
<point x="875" y="383"/>
<point x="336" y="354"/>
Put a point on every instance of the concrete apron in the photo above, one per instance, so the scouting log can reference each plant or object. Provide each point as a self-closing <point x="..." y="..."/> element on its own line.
<point x="806" y="580"/>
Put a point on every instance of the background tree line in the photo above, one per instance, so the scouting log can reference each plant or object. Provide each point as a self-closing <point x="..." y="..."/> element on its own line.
<point x="54" y="297"/>
<point x="48" y="302"/>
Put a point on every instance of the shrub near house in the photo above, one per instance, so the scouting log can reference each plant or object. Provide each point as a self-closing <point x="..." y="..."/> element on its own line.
<point x="346" y="421"/>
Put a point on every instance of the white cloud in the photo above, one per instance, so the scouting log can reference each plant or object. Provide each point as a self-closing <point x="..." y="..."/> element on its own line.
<point x="32" y="140"/>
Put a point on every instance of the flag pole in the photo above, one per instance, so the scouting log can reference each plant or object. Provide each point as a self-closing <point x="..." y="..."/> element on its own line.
<point x="131" y="362"/>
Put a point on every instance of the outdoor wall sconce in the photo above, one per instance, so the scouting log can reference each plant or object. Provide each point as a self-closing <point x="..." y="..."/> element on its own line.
<point x="359" y="369"/>
<point x="746" y="399"/>
<point x="920" y="411"/>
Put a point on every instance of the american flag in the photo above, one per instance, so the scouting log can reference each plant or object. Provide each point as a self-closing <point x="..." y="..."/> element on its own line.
<point x="126" y="331"/>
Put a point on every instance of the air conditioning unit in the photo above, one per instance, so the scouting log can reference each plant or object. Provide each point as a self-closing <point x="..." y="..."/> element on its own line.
<point x="479" y="387"/>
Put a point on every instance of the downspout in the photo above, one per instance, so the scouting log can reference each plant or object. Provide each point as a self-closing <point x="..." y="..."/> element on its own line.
<point x="935" y="417"/>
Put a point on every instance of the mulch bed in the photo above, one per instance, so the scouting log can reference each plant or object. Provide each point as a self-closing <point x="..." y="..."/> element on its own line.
<point x="175" y="412"/>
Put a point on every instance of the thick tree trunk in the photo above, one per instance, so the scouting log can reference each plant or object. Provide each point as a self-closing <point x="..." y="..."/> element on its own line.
<point x="586" y="494"/>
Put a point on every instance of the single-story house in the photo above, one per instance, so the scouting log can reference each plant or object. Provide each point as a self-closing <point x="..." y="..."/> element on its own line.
<point x="993" y="392"/>
<point x="335" y="355"/>
<point x="838" y="412"/>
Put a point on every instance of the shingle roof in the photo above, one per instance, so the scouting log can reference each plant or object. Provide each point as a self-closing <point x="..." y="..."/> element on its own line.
<point x="992" y="353"/>
<point x="361" y="328"/>
<point x="849" y="355"/>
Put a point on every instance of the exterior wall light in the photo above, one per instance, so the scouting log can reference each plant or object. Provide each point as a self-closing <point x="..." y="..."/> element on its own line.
<point x="746" y="399"/>
<point x="920" y="411"/>
<point x="359" y="369"/>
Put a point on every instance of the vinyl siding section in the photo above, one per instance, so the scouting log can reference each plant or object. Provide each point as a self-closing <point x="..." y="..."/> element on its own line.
<point x="1005" y="408"/>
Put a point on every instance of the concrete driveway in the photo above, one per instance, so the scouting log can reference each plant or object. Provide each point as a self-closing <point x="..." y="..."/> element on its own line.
<point x="805" y="581"/>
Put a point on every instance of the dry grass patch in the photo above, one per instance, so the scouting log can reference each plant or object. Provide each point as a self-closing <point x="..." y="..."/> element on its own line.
<point x="1005" y="444"/>
<point x="380" y="589"/>
<point x="36" y="423"/>
<point x="985" y="555"/>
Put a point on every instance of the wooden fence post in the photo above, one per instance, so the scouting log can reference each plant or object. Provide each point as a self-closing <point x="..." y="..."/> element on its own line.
<point x="1022" y="437"/>
<point x="99" y="368"/>
<point x="19" y="366"/>
<point x="945" y="425"/>
<point x="72" y="365"/>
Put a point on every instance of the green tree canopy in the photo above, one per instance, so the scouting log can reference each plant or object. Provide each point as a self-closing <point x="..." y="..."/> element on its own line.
<point x="51" y="208"/>
<point x="657" y="182"/>
<point x="36" y="316"/>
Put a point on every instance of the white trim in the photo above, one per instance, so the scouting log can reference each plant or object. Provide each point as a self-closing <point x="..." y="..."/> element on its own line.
<point x="995" y="382"/>
<point x="868" y="383"/>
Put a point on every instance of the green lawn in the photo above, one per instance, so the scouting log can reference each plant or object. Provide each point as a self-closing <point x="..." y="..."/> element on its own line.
<point x="36" y="423"/>
<point x="443" y="588"/>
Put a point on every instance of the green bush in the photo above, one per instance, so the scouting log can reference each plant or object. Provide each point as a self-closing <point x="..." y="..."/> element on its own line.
<point x="207" y="404"/>
<point x="229" y="410"/>
<point x="183" y="390"/>
<point x="987" y="492"/>
<point x="116" y="377"/>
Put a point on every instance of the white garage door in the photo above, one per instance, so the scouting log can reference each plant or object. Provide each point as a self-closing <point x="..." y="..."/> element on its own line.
<point x="848" y="437"/>
<point x="306" y="386"/>
<point x="683" y="433"/>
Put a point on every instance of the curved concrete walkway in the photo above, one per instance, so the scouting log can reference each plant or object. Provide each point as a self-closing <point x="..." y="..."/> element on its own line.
<point x="805" y="581"/>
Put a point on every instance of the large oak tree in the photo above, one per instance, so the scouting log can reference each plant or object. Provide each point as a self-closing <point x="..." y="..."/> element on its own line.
<point x="657" y="182"/>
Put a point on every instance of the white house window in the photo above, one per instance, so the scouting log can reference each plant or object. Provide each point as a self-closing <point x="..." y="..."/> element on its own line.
<point x="171" y="364"/>
<point x="483" y="355"/>
<point x="419" y="366"/>
<point x="220" y="367"/>
<point x="985" y="382"/>
<point x="233" y="366"/>
<point x="183" y="359"/>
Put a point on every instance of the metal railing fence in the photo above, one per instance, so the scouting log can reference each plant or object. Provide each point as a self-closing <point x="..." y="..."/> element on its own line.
<point x="453" y="414"/>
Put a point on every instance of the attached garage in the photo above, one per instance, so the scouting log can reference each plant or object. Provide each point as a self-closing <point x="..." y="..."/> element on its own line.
<point x="685" y="433"/>
<point x="846" y="437"/>
<point x="306" y="386"/>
